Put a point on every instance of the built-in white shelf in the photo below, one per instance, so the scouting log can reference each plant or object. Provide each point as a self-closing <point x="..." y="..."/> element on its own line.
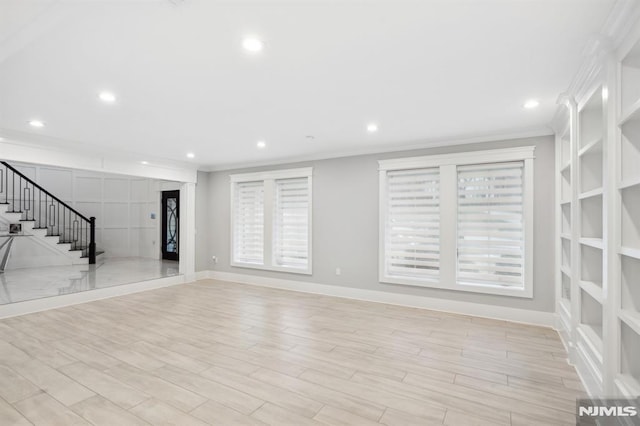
<point x="627" y="380"/>
<point x="593" y="147"/>
<point x="565" y="219"/>
<point x="632" y="319"/>
<point x="599" y="223"/>
<point x="565" y="289"/>
<point x="565" y="305"/>
<point x="630" y="217"/>
<point x="632" y="114"/>
<point x="594" y="290"/>
<point x="630" y="82"/>
<point x="593" y="193"/>
<point x="593" y="341"/>
<point x="591" y="216"/>
<point x="630" y="182"/>
<point x="591" y="169"/>
<point x="630" y="151"/>
<point x="565" y="253"/>
<point x="630" y="283"/>
<point x="629" y="350"/>
<point x="630" y="252"/>
<point x="592" y="242"/>
<point x="627" y="385"/>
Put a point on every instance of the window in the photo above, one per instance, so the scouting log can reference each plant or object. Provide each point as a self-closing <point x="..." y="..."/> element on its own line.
<point x="459" y="221"/>
<point x="291" y="230"/>
<point x="248" y="229"/>
<point x="271" y="220"/>
<point x="412" y="240"/>
<point x="491" y="224"/>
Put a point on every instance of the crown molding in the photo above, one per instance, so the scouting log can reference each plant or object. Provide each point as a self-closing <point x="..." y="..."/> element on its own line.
<point x="597" y="50"/>
<point x="425" y="144"/>
<point x="621" y="21"/>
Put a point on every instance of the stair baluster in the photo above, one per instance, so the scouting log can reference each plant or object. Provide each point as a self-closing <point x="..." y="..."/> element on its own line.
<point x="54" y="215"/>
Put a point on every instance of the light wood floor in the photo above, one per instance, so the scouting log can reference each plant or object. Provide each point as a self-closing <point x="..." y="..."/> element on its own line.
<point x="221" y="353"/>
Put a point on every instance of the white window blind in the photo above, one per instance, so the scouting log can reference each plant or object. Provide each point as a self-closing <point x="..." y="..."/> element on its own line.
<point x="491" y="224"/>
<point x="271" y="220"/>
<point x="291" y="230"/>
<point x="412" y="240"/>
<point x="248" y="232"/>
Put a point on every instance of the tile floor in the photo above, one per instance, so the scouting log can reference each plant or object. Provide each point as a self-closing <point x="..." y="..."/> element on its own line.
<point x="18" y="285"/>
<point x="221" y="353"/>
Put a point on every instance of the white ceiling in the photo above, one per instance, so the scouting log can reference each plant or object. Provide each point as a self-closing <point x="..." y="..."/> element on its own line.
<point x="425" y="71"/>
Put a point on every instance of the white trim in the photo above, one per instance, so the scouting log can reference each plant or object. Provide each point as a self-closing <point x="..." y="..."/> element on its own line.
<point x="618" y="29"/>
<point x="310" y="220"/>
<point x="621" y="26"/>
<point x="187" y="230"/>
<point x="448" y="265"/>
<point x="459" y="159"/>
<point x="529" y="203"/>
<point x="524" y="316"/>
<point x="201" y="275"/>
<point x="272" y="174"/>
<point x="459" y="286"/>
<point x="268" y="179"/>
<point x="31" y="306"/>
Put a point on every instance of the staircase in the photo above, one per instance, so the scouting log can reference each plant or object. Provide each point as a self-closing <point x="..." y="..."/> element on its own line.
<point x="46" y="217"/>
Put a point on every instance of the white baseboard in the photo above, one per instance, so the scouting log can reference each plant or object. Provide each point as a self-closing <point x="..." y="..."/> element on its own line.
<point x="587" y="372"/>
<point x="545" y="319"/>
<point x="201" y="275"/>
<point x="30" y="306"/>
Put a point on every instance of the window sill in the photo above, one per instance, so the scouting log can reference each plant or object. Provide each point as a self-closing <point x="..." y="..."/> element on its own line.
<point x="459" y="286"/>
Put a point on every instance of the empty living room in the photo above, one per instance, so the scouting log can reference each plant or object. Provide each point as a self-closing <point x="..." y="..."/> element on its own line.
<point x="320" y="212"/>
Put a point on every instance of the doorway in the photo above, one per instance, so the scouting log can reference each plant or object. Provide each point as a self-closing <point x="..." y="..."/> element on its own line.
<point x="170" y="224"/>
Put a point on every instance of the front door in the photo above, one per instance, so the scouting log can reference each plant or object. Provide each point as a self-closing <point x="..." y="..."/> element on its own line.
<point x="170" y="224"/>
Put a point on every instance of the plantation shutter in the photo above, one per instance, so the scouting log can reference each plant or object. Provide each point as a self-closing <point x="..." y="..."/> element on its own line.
<point x="291" y="230"/>
<point x="248" y="222"/>
<point x="412" y="240"/>
<point x="491" y="224"/>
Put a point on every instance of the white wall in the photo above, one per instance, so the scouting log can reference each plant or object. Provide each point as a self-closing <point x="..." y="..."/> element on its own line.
<point x="121" y="204"/>
<point x="345" y="224"/>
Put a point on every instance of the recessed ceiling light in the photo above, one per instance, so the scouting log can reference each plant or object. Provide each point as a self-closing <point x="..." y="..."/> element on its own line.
<point x="531" y="103"/>
<point x="144" y="162"/>
<point x="190" y="155"/>
<point x="36" y="123"/>
<point x="261" y="144"/>
<point x="107" y="97"/>
<point x="372" y="127"/>
<point x="252" y="44"/>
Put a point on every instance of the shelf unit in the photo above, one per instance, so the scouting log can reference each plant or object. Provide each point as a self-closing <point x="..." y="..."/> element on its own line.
<point x="598" y="211"/>
<point x="591" y="163"/>
<point x="627" y="263"/>
<point x="565" y="240"/>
